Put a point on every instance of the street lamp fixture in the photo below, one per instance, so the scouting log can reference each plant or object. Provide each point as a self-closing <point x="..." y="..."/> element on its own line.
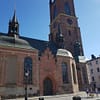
<point x="26" y="82"/>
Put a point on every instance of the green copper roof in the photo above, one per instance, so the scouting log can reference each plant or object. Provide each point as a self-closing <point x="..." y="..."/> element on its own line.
<point x="33" y="44"/>
<point x="14" y="42"/>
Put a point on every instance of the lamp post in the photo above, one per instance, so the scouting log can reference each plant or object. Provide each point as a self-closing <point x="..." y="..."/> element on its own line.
<point x="26" y="81"/>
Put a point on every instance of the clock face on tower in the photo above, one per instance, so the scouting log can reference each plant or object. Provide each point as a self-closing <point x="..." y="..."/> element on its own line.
<point x="70" y="21"/>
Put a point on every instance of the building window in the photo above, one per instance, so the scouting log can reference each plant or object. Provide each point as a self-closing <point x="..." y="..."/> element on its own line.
<point x="91" y="71"/>
<point x="93" y="78"/>
<point x="90" y="64"/>
<point x="69" y="33"/>
<point x="67" y="9"/>
<point x="96" y="61"/>
<point x="98" y="69"/>
<point x="65" y="73"/>
<point x="28" y="69"/>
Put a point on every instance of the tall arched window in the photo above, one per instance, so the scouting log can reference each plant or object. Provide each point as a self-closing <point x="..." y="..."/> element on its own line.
<point x="55" y="12"/>
<point x="74" y="75"/>
<point x="67" y="9"/>
<point x="28" y="69"/>
<point x="65" y="73"/>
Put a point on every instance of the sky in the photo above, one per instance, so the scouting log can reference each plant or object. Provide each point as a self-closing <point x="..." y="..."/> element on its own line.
<point x="34" y="20"/>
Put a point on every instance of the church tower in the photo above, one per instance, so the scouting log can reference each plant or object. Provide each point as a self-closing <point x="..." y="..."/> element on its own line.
<point x="63" y="22"/>
<point x="63" y="18"/>
<point x="13" y="29"/>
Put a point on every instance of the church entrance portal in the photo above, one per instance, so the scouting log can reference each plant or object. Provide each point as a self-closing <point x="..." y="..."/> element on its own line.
<point x="48" y="87"/>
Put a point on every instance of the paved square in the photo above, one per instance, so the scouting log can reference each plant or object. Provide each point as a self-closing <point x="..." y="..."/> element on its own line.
<point x="64" y="97"/>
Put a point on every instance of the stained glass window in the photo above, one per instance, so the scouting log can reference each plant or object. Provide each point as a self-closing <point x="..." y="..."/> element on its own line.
<point x="65" y="73"/>
<point x="28" y="70"/>
<point x="67" y="9"/>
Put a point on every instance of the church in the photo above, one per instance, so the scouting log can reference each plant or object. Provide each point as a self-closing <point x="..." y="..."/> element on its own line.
<point x="50" y="67"/>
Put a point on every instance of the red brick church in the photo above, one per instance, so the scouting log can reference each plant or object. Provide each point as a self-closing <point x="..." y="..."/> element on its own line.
<point x="55" y="66"/>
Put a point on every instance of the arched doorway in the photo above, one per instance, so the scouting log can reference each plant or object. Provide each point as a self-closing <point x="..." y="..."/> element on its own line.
<point x="48" y="86"/>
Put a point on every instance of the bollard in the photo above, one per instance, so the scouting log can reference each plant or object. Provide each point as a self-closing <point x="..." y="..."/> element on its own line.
<point x="76" y="98"/>
<point x="41" y="98"/>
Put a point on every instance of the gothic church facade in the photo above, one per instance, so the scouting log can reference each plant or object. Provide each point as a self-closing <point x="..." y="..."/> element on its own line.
<point x="54" y="66"/>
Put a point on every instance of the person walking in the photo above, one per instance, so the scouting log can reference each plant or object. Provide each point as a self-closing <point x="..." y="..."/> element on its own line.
<point x="87" y="91"/>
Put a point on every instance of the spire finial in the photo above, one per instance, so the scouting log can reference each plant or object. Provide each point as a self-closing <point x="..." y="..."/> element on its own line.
<point x="14" y="19"/>
<point x="15" y="5"/>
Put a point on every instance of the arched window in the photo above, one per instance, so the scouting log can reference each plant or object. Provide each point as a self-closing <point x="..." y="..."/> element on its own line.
<point x="74" y="75"/>
<point x="65" y="73"/>
<point x="67" y="9"/>
<point x="28" y="70"/>
<point x="55" y="12"/>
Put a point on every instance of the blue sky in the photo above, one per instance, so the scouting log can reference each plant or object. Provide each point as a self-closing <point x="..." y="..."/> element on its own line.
<point x="33" y="17"/>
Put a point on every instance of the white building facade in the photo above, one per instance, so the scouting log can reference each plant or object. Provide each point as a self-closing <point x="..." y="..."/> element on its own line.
<point x="94" y="72"/>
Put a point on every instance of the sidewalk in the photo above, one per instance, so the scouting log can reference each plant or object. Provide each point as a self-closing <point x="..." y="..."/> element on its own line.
<point x="83" y="96"/>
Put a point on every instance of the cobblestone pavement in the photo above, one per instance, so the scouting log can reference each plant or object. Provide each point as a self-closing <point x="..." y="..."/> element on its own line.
<point x="64" y="97"/>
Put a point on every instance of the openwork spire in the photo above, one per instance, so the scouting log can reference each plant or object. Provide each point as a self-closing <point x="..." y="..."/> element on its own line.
<point x="13" y="26"/>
